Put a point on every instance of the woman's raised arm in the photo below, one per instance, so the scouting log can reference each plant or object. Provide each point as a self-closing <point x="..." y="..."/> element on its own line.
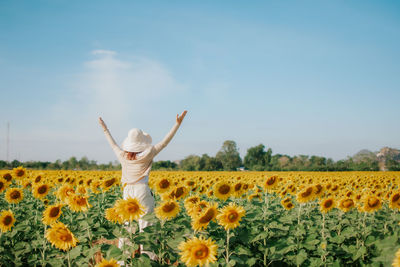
<point x="179" y="118"/>
<point x="117" y="150"/>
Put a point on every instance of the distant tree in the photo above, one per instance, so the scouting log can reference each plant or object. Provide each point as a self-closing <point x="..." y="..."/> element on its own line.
<point x="229" y="156"/>
<point x="15" y="163"/>
<point x="208" y="163"/>
<point x="392" y="165"/>
<point x="268" y="156"/>
<point x="164" y="165"/>
<point x="3" y="164"/>
<point x="190" y="163"/>
<point x="255" y="158"/>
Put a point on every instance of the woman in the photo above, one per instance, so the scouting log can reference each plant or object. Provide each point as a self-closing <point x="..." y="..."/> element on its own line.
<point x="136" y="158"/>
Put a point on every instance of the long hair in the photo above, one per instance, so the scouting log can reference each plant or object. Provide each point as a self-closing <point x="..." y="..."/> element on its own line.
<point x="130" y="155"/>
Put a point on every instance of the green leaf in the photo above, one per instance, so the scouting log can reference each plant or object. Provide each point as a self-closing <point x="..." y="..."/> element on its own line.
<point x="301" y="257"/>
<point x="75" y="252"/>
<point x="113" y="252"/>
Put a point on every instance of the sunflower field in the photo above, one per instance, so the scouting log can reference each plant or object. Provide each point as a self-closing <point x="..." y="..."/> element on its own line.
<point x="78" y="218"/>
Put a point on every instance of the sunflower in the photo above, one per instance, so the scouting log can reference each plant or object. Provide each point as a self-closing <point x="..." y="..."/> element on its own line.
<point x="113" y="216"/>
<point x="318" y="190"/>
<point x="191" y="201"/>
<point x="7" y="220"/>
<point x="107" y="184"/>
<point x="81" y="189"/>
<point x="305" y="195"/>
<point x="61" y="237"/>
<point x="346" y="204"/>
<point x="230" y="216"/>
<point x="94" y="186"/>
<point x="8" y="177"/>
<point x="129" y="209"/>
<point x="271" y="183"/>
<point x="163" y="185"/>
<point x="287" y="203"/>
<point x="222" y="190"/>
<point x="51" y="214"/>
<point x="14" y="195"/>
<point x="198" y="251"/>
<point x="108" y="263"/>
<point x="327" y="204"/>
<point x="41" y="190"/>
<point x="372" y="203"/>
<point x="3" y="185"/>
<point x="78" y="203"/>
<point x="394" y="201"/>
<point x="204" y="218"/>
<point x="167" y="210"/>
<point x="238" y="190"/>
<point x="38" y="179"/>
<point x="64" y="192"/>
<point x="396" y="260"/>
<point x="176" y="193"/>
<point x="197" y="208"/>
<point x="20" y="172"/>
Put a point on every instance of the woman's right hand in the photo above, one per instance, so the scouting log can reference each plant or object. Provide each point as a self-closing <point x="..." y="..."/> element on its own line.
<point x="103" y="125"/>
<point x="180" y="118"/>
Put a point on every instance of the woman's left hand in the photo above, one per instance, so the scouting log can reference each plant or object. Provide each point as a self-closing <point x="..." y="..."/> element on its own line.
<point x="180" y="118"/>
<point x="103" y="125"/>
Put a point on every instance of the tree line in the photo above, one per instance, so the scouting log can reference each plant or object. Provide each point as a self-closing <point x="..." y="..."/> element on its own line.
<point x="257" y="158"/>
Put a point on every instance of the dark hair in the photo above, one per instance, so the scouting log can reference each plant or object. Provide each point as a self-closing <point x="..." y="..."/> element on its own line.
<point x="130" y="155"/>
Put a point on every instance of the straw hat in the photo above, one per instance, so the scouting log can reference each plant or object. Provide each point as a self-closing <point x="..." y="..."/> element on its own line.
<point x="136" y="141"/>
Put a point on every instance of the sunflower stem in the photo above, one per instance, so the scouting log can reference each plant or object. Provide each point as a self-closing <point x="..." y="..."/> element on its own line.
<point x="69" y="260"/>
<point x="227" y="247"/>
<point x="44" y="247"/>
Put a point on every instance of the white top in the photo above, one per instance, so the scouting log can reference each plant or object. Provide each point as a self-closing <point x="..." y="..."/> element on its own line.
<point x="134" y="170"/>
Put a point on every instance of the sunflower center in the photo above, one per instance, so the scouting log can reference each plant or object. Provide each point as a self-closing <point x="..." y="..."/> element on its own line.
<point x="348" y="203"/>
<point x="179" y="192"/>
<point x="319" y="188"/>
<point x="328" y="203"/>
<point x="307" y="192"/>
<point x="201" y="251"/>
<point x="373" y="202"/>
<point x="110" y="182"/>
<point x="42" y="189"/>
<point x="190" y="183"/>
<point x="81" y="201"/>
<point x="208" y="216"/>
<point x="233" y="216"/>
<point x="194" y="200"/>
<point x="396" y="197"/>
<point x="224" y="189"/>
<point x="65" y="236"/>
<point x="54" y="212"/>
<point x="37" y="179"/>
<point x="164" y="183"/>
<point x="20" y="173"/>
<point x="133" y="208"/>
<point x="7" y="220"/>
<point x="271" y="180"/>
<point x="168" y="207"/>
<point x="1" y="185"/>
<point x="289" y="205"/>
<point x="7" y="177"/>
<point x="15" y="194"/>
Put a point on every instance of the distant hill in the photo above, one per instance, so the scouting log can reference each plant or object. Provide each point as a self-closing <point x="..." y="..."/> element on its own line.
<point x="387" y="156"/>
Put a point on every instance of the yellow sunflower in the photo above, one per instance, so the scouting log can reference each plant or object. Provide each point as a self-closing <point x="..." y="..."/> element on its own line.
<point x="287" y="203"/>
<point x="78" y="203"/>
<point x="14" y="195"/>
<point x="64" y="192"/>
<point x="8" y="177"/>
<point x="81" y="190"/>
<point x="346" y="204"/>
<point x="163" y="185"/>
<point x="191" y="201"/>
<point x="40" y="190"/>
<point x="7" y="220"/>
<point x="198" y="251"/>
<point x="3" y="185"/>
<point x="20" y="173"/>
<point x="113" y="216"/>
<point x="222" y="190"/>
<point x="175" y="193"/>
<point x="129" y="209"/>
<point x="107" y="184"/>
<point x="61" y="237"/>
<point x="394" y="201"/>
<point x="51" y="214"/>
<point x="229" y="217"/>
<point x="204" y="218"/>
<point x="271" y="183"/>
<point x="108" y="263"/>
<point x="305" y="195"/>
<point x="167" y="210"/>
<point x="372" y="203"/>
<point x="197" y="208"/>
<point x="327" y="204"/>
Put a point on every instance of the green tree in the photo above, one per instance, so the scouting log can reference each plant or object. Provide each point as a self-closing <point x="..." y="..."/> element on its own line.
<point x="229" y="156"/>
<point x="190" y="163"/>
<point x="255" y="158"/>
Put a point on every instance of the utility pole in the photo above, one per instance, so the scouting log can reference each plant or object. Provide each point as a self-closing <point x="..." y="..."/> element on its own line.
<point x="8" y="141"/>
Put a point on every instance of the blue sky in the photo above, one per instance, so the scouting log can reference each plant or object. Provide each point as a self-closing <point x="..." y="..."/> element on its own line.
<point x="301" y="77"/>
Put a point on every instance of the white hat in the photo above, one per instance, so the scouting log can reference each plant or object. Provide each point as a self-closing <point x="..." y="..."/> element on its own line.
<point x="136" y="141"/>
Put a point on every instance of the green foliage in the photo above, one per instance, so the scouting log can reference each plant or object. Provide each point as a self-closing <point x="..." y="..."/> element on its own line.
<point x="229" y="156"/>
